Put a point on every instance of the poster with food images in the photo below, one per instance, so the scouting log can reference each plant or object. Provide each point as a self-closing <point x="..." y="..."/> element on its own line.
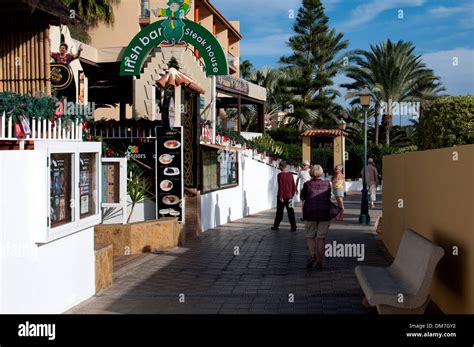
<point x="58" y="192"/>
<point x="169" y="173"/>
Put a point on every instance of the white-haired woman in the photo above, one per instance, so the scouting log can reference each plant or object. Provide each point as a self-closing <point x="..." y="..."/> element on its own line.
<point x="303" y="177"/>
<point x="316" y="195"/>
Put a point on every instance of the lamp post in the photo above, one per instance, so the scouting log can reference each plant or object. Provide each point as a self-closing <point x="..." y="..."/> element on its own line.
<point x="365" y="97"/>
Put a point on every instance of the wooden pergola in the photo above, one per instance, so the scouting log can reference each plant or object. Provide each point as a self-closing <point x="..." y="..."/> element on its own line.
<point x="338" y="137"/>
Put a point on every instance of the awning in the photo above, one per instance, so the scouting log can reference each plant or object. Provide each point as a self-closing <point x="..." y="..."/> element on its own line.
<point x="89" y="62"/>
<point x="176" y="78"/>
<point x="221" y="147"/>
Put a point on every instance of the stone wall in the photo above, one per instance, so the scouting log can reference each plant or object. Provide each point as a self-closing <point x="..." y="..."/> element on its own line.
<point x="133" y="238"/>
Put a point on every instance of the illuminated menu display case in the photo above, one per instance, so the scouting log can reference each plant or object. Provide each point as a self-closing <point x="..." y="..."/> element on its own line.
<point x="73" y="187"/>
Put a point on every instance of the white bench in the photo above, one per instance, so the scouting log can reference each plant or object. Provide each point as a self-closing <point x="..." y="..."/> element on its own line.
<point x="404" y="286"/>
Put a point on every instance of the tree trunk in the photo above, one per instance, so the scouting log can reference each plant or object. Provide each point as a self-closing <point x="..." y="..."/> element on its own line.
<point x="388" y="128"/>
<point x="387" y="124"/>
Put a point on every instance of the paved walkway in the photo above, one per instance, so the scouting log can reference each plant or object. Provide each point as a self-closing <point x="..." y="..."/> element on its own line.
<point x="268" y="272"/>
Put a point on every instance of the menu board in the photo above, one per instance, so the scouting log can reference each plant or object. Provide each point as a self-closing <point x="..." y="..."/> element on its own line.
<point x="87" y="177"/>
<point x="60" y="189"/>
<point x="111" y="183"/>
<point x="169" y="172"/>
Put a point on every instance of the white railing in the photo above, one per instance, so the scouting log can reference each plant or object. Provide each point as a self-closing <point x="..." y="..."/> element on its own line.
<point x="124" y="132"/>
<point x="254" y="154"/>
<point x="42" y="129"/>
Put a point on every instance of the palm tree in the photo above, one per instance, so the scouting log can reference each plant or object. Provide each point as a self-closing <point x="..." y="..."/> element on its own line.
<point x="271" y="80"/>
<point x="394" y="74"/>
<point x="93" y="11"/>
<point x="246" y="68"/>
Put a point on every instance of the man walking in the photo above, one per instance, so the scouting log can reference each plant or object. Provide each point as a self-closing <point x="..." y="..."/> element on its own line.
<point x="286" y="191"/>
<point x="372" y="180"/>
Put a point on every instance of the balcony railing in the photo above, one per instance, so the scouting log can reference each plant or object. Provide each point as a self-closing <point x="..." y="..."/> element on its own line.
<point x="232" y="61"/>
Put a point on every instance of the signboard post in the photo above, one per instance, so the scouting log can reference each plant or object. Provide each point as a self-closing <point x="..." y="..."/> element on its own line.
<point x="169" y="173"/>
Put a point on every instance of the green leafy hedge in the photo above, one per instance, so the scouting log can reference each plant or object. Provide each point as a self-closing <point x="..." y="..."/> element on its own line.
<point x="37" y="107"/>
<point x="447" y="121"/>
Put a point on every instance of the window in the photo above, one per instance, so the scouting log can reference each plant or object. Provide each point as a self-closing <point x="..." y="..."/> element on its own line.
<point x="114" y="185"/>
<point x="88" y="184"/>
<point x="251" y="115"/>
<point x="111" y="183"/>
<point x="61" y="189"/>
<point x="209" y="167"/>
<point x="228" y="118"/>
<point x="227" y="168"/>
<point x="220" y="169"/>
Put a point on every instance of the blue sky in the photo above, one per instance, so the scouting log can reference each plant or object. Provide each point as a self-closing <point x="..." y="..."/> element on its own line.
<point x="442" y="31"/>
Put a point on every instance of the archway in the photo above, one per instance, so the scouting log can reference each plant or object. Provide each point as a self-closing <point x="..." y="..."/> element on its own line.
<point x="336" y="138"/>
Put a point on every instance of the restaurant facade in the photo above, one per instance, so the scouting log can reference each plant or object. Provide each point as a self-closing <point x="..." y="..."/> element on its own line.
<point x="134" y="74"/>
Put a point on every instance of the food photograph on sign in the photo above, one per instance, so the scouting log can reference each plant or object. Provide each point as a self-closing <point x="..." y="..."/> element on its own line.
<point x="172" y="144"/>
<point x="166" y="159"/>
<point x="166" y="185"/>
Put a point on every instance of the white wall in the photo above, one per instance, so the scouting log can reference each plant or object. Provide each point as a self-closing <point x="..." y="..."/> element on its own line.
<point x="34" y="278"/>
<point x="256" y="192"/>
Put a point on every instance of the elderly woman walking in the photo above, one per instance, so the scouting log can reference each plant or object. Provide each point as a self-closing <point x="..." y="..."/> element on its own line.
<point x="316" y="195"/>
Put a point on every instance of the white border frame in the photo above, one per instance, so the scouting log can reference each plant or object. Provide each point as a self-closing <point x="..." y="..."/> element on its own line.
<point x="122" y="186"/>
<point x="50" y="234"/>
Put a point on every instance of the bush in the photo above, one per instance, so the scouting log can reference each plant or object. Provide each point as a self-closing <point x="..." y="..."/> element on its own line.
<point x="324" y="157"/>
<point x="356" y="157"/>
<point x="285" y="134"/>
<point x="447" y="121"/>
<point x="406" y="149"/>
<point x="292" y="152"/>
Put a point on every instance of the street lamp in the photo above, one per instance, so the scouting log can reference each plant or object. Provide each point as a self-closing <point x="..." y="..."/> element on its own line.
<point x="365" y="97"/>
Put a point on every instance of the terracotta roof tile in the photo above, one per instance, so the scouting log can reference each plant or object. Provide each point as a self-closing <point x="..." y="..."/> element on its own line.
<point x="324" y="133"/>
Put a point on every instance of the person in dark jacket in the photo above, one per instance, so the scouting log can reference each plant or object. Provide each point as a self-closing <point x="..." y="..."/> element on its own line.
<point x="316" y="195"/>
<point x="286" y="191"/>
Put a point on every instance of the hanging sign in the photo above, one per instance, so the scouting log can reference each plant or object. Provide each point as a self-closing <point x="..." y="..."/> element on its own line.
<point x="232" y="84"/>
<point x="61" y="76"/>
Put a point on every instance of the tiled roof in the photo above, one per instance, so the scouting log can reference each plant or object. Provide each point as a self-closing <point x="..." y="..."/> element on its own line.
<point x="176" y="78"/>
<point x="324" y="133"/>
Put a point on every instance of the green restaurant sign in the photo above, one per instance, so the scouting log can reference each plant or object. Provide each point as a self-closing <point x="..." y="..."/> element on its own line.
<point x="158" y="33"/>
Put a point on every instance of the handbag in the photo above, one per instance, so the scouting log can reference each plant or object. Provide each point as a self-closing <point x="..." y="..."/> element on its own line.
<point x="334" y="210"/>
